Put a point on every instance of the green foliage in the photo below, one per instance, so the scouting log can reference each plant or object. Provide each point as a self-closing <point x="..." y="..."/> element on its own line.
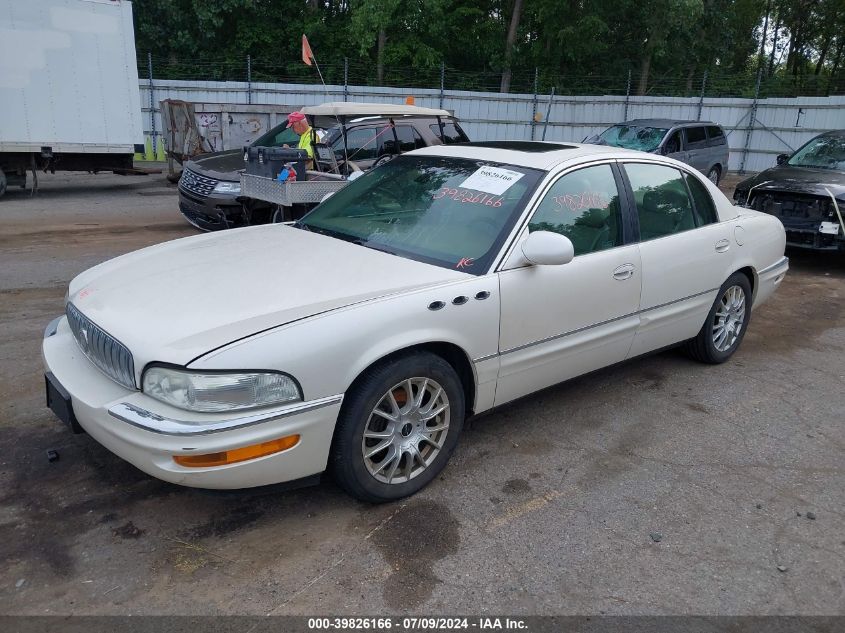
<point x="576" y="45"/>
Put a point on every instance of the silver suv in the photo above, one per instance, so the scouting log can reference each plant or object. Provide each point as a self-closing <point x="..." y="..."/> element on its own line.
<point x="700" y="144"/>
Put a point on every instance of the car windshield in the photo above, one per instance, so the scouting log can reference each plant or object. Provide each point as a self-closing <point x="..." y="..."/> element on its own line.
<point x="645" y="139"/>
<point x="827" y="152"/>
<point x="451" y="212"/>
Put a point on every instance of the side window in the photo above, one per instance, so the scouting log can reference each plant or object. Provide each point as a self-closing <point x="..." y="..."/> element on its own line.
<point x="663" y="205"/>
<point x="409" y="138"/>
<point x="695" y="134"/>
<point x="673" y="143"/>
<point x="452" y="133"/>
<point x="716" y="135"/>
<point x="360" y="143"/>
<point x="704" y="207"/>
<point x="583" y="206"/>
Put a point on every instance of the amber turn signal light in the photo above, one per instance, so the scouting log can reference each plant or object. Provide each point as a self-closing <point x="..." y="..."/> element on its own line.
<point x="237" y="454"/>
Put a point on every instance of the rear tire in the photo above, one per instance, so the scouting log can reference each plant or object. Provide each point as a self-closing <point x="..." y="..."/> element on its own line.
<point x="714" y="175"/>
<point x="397" y="428"/>
<point x="726" y="323"/>
<point x="3" y="183"/>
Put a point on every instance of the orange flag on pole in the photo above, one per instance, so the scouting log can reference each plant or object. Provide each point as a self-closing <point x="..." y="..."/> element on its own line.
<point x="307" y="55"/>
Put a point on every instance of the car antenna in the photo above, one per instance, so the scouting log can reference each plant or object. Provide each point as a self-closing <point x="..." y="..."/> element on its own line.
<point x="308" y="57"/>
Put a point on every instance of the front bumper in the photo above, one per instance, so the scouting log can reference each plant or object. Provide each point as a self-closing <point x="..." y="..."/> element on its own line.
<point x="213" y="212"/>
<point x="812" y="239"/>
<point x="148" y="433"/>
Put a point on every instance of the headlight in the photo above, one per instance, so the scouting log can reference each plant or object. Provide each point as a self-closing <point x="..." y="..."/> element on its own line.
<point x="227" y="187"/>
<point x="216" y="392"/>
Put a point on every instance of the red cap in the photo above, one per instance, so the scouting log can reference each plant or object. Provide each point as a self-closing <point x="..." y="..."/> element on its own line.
<point x="293" y="117"/>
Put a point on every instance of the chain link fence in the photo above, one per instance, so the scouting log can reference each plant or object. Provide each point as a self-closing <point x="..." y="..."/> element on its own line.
<point x="624" y="82"/>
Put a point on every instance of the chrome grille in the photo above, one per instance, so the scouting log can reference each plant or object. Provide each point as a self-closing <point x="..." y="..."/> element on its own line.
<point x="196" y="184"/>
<point x="106" y="352"/>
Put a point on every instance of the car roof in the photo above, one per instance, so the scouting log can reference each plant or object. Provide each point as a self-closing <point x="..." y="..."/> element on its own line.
<point x="667" y="123"/>
<point x="534" y="154"/>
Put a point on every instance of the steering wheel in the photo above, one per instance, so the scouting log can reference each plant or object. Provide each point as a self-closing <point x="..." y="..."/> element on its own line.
<point x="381" y="160"/>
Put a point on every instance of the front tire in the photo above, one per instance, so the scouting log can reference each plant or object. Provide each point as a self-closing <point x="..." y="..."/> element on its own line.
<point x="398" y="427"/>
<point x="726" y="323"/>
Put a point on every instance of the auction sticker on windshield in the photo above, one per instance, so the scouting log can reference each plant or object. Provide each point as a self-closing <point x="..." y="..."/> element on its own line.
<point x="493" y="180"/>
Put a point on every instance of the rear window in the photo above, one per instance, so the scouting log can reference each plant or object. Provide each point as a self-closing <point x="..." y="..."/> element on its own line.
<point x="696" y="134"/>
<point x="452" y="133"/>
<point x="716" y="135"/>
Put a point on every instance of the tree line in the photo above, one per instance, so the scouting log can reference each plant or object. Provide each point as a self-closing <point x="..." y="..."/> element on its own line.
<point x="652" y="39"/>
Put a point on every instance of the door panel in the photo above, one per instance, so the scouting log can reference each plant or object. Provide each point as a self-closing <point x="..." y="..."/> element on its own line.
<point x="698" y="154"/>
<point x="682" y="265"/>
<point x="675" y="147"/>
<point x="563" y="321"/>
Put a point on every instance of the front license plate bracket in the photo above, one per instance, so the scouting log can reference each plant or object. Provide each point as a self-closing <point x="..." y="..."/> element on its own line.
<point x="59" y="402"/>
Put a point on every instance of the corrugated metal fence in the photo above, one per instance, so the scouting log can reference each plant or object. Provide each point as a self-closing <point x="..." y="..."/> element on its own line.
<point x="780" y="125"/>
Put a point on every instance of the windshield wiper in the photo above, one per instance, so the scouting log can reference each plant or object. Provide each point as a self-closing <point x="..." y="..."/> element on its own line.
<point x="833" y="167"/>
<point x="365" y="244"/>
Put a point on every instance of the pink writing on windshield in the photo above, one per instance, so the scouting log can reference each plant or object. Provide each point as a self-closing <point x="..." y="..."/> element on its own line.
<point x="465" y="262"/>
<point x="465" y="195"/>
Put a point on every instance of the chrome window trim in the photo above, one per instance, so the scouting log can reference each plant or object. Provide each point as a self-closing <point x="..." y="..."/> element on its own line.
<point x="154" y="423"/>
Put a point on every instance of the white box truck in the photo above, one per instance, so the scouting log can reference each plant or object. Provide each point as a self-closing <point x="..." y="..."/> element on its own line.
<point x="69" y="97"/>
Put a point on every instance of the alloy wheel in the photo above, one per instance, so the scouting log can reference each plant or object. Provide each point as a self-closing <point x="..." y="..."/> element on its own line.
<point x="729" y="318"/>
<point x="406" y="430"/>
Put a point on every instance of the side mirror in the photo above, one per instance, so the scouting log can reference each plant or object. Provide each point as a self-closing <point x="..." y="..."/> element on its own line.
<point x="782" y="158"/>
<point x="544" y="248"/>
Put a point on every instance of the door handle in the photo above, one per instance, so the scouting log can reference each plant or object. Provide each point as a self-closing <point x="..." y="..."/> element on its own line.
<point x="722" y="246"/>
<point x="625" y="271"/>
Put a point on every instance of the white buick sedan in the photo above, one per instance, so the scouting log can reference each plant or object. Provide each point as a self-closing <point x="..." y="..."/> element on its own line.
<point x="446" y="282"/>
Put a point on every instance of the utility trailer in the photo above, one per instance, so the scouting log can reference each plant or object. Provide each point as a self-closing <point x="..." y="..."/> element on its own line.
<point x="69" y="97"/>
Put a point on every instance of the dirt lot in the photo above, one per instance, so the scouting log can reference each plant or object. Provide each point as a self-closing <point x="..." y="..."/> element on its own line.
<point x="658" y="486"/>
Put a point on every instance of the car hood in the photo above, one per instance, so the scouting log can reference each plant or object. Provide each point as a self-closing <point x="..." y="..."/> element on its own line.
<point x="797" y="180"/>
<point x="221" y="165"/>
<point x="179" y="300"/>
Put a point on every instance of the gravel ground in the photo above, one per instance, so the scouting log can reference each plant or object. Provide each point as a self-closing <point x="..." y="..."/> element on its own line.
<point x="659" y="486"/>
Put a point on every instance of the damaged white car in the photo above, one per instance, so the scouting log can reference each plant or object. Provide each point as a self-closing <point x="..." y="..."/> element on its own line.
<point x="356" y="341"/>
